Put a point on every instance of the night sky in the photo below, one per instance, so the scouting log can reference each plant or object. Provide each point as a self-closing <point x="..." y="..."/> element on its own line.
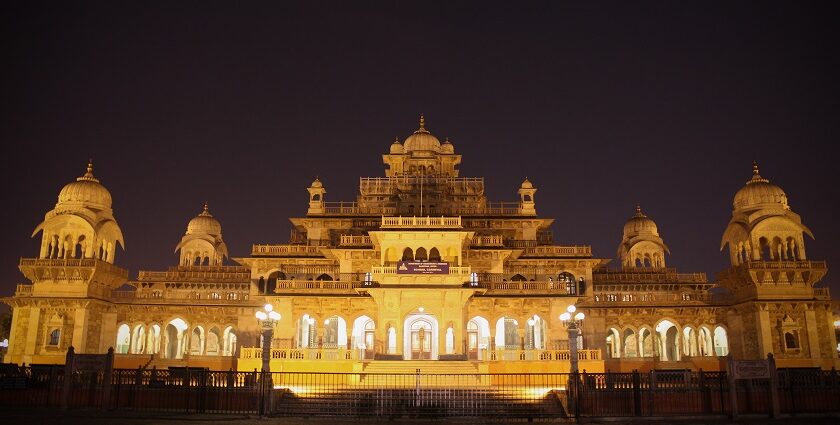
<point x="242" y="105"/>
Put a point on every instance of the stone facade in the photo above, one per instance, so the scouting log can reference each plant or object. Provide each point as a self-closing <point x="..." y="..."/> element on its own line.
<point x="422" y="266"/>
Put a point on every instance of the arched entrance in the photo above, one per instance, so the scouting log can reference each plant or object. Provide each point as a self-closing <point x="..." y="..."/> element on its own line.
<point x="421" y="337"/>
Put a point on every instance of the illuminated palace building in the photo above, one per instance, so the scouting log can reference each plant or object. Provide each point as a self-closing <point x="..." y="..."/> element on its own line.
<point x="422" y="266"/>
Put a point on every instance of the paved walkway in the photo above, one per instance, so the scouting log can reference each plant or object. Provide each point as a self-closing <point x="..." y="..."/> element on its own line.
<point x="73" y="417"/>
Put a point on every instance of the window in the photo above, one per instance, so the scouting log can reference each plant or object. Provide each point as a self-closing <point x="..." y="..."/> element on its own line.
<point x="197" y="295"/>
<point x="231" y="296"/>
<point x="612" y="297"/>
<point x="55" y="336"/>
<point x="686" y="296"/>
<point x="473" y="279"/>
<point x="368" y="279"/>
<point x="157" y="294"/>
<point x="215" y="296"/>
<point x="791" y="340"/>
<point x="627" y="297"/>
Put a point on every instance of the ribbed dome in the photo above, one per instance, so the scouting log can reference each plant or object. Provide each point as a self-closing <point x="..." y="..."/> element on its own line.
<point x="204" y="223"/>
<point x="317" y="183"/>
<point x="422" y="140"/>
<point x="447" y="147"/>
<point x="638" y="224"/>
<point x="86" y="189"/>
<point x="396" y="147"/>
<point x="527" y="184"/>
<point x="759" y="192"/>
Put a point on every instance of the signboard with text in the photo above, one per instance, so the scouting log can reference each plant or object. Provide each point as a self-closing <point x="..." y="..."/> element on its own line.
<point x="751" y="369"/>
<point x="422" y="267"/>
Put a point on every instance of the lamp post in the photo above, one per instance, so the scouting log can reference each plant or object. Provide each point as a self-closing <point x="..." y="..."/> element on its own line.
<point x="572" y="322"/>
<point x="267" y="317"/>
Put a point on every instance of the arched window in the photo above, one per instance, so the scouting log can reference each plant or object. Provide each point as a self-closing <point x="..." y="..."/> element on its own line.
<point x="408" y="255"/>
<point x="434" y="254"/>
<point x="420" y="255"/>
<point x="518" y="278"/>
<point x="473" y="279"/>
<point x="316" y="197"/>
<point x="368" y="279"/>
<point x="123" y="339"/>
<point x="55" y="337"/>
<point x="324" y="277"/>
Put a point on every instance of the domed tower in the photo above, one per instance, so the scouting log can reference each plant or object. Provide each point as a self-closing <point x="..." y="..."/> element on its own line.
<point x="641" y="245"/>
<point x="777" y="309"/>
<point x="316" y="197"/>
<point x="527" y="206"/>
<point x="421" y="154"/>
<point x="82" y="224"/>
<point x="763" y="227"/>
<point x="203" y="244"/>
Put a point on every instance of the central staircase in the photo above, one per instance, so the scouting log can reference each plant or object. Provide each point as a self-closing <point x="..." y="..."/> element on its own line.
<point x="428" y="373"/>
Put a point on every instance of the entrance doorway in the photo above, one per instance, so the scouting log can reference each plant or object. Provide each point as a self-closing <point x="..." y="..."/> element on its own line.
<point x="421" y="340"/>
<point x="421" y="336"/>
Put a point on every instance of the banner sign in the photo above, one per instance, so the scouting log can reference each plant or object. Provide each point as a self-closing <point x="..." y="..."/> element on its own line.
<point x="751" y="369"/>
<point x="91" y="362"/>
<point x="422" y="267"/>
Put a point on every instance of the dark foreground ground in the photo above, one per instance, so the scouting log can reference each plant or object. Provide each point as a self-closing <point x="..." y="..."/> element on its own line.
<point x="44" y="416"/>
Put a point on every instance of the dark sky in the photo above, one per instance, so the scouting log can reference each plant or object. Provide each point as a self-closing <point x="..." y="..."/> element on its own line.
<point x="242" y="105"/>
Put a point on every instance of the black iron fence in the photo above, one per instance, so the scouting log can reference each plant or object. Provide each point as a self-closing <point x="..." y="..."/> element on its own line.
<point x="655" y="393"/>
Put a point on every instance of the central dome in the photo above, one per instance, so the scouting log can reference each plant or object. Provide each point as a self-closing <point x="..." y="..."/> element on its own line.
<point x="639" y="223"/>
<point x="422" y="140"/>
<point x="86" y="189"/>
<point x="204" y="223"/>
<point x="758" y="193"/>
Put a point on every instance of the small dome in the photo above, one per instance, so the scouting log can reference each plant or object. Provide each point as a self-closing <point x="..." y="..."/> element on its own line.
<point x="204" y="223"/>
<point x="422" y="140"/>
<point x="86" y="189"/>
<point x="447" y="147"/>
<point x="527" y="184"/>
<point x="317" y="183"/>
<point x="759" y="192"/>
<point x="638" y="224"/>
<point x="396" y="147"/>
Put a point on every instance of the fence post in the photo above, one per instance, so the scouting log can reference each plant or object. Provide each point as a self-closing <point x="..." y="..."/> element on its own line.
<point x="261" y="391"/>
<point x="705" y="396"/>
<point x="68" y="378"/>
<point x="637" y="393"/>
<point x="106" y="379"/>
<point x="774" y="386"/>
<point x="651" y="387"/>
<point x="733" y="388"/>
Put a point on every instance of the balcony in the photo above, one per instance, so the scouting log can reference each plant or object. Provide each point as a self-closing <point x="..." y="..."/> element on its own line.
<point x="558" y="251"/>
<point x="421" y="222"/>
<point x="487" y="241"/>
<point x="197" y="273"/>
<point x="523" y="287"/>
<point x="650" y="275"/>
<point x="322" y="286"/>
<point x="23" y="290"/>
<point x="286" y="251"/>
<point x="29" y="265"/>
<point x="353" y="240"/>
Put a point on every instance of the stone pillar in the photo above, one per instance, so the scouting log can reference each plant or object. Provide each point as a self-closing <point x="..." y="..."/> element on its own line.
<point x="764" y="333"/>
<point x="32" y="328"/>
<point x="813" y="335"/>
<point x="80" y="330"/>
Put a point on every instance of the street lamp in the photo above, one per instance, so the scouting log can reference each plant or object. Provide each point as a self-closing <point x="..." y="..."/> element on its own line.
<point x="267" y="317"/>
<point x="572" y="322"/>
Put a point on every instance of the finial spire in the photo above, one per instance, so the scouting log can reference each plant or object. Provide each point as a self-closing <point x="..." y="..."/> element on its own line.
<point x="639" y="211"/>
<point x="757" y="177"/>
<point x="422" y="122"/>
<point x="88" y="172"/>
<point x="206" y="212"/>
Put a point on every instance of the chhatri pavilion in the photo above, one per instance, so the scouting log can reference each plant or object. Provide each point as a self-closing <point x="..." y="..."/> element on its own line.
<point x="423" y="267"/>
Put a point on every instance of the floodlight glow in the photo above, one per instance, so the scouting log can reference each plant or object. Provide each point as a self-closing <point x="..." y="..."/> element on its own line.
<point x="274" y="315"/>
<point x="579" y="316"/>
<point x="269" y="307"/>
<point x="261" y="315"/>
<point x="421" y="309"/>
<point x="571" y="309"/>
<point x="565" y="317"/>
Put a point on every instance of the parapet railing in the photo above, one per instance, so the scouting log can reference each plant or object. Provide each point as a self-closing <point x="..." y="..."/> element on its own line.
<point x="75" y="262"/>
<point x="558" y="251"/>
<point x="217" y="274"/>
<point x="357" y="354"/>
<point x="308" y="285"/>
<point x="519" y="286"/>
<point x="286" y="250"/>
<point x="421" y="222"/>
<point x="354" y="240"/>
<point x="23" y="290"/>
